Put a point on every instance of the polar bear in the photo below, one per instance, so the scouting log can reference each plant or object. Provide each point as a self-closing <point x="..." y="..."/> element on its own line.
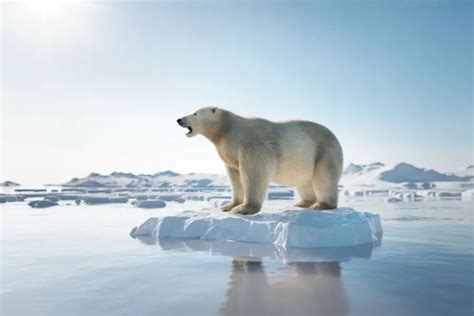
<point x="255" y="151"/>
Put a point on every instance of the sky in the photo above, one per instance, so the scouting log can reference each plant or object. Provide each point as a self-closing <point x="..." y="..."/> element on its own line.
<point x="92" y="86"/>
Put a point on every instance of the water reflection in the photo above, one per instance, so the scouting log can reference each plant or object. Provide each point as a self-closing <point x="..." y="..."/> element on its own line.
<point x="315" y="288"/>
<point x="308" y="284"/>
<point x="255" y="251"/>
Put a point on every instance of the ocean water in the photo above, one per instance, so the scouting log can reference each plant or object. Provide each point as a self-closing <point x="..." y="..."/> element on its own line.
<point x="80" y="260"/>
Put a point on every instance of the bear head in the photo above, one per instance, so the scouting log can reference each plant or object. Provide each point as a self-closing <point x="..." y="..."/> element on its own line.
<point x="201" y="122"/>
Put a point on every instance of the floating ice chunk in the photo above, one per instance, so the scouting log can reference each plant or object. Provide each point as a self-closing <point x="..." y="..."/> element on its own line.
<point x="42" y="204"/>
<point x="151" y="204"/>
<point x="445" y="194"/>
<point x="281" y="194"/>
<point x="392" y="199"/>
<point x="52" y="198"/>
<point x="468" y="195"/>
<point x="104" y="200"/>
<point x="171" y="198"/>
<point x="11" y="198"/>
<point x="289" y="228"/>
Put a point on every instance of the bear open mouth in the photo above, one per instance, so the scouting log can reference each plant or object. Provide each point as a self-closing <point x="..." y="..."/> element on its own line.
<point x="190" y="130"/>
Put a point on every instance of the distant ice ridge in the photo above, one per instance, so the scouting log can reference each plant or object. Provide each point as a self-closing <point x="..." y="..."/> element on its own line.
<point x="374" y="174"/>
<point x="286" y="228"/>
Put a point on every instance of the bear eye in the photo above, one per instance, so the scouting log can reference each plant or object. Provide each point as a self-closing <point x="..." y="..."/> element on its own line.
<point x="213" y="110"/>
<point x="195" y="114"/>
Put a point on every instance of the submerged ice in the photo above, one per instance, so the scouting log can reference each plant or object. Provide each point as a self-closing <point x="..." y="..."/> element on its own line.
<point x="285" y="228"/>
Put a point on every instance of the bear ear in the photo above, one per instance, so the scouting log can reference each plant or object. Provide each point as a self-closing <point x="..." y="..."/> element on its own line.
<point x="214" y="110"/>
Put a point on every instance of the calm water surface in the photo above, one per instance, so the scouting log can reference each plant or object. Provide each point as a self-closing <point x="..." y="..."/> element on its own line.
<point x="80" y="260"/>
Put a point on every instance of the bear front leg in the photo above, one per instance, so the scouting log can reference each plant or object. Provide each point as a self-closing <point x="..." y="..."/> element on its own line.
<point x="237" y="191"/>
<point x="255" y="176"/>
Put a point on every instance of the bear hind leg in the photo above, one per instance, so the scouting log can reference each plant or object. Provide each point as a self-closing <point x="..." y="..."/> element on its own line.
<point x="327" y="196"/>
<point x="325" y="187"/>
<point x="307" y="195"/>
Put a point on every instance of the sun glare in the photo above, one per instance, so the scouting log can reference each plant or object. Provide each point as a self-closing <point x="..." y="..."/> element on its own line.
<point x="45" y="20"/>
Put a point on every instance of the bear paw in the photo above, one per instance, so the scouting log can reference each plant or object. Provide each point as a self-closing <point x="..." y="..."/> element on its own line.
<point x="320" y="206"/>
<point x="227" y="207"/>
<point x="246" y="209"/>
<point x="304" y="204"/>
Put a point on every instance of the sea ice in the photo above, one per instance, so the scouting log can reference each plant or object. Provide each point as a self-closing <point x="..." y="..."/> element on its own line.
<point x="42" y="203"/>
<point x="104" y="200"/>
<point x="285" y="228"/>
<point x="219" y="202"/>
<point x="151" y="204"/>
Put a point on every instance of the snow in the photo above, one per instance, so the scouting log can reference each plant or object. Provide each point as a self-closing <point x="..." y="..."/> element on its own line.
<point x="158" y="180"/>
<point x="392" y="175"/>
<point x="374" y="174"/>
<point x="218" y="202"/>
<point x="361" y="169"/>
<point x="465" y="172"/>
<point x="281" y="227"/>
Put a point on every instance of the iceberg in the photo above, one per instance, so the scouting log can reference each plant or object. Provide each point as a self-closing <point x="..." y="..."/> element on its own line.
<point x="284" y="228"/>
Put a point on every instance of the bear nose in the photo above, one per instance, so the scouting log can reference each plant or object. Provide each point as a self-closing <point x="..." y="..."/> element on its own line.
<point x="179" y="121"/>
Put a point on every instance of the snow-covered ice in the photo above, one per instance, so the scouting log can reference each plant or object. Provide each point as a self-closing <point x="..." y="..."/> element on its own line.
<point x="218" y="202"/>
<point x="283" y="228"/>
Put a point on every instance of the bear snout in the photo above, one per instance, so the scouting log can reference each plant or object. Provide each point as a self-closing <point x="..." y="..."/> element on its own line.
<point x="180" y="122"/>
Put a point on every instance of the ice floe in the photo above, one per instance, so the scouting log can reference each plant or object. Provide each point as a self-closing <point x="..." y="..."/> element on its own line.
<point x="284" y="228"/>
<point x="151" y="204"/>
<point x="42" y="204"/>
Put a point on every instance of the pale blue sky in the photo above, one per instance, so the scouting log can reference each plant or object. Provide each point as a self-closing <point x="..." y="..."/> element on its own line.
<point x="98" y="86"/>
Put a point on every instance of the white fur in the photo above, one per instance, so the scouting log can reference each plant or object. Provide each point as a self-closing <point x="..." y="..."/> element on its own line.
<point x="255" y="151"/>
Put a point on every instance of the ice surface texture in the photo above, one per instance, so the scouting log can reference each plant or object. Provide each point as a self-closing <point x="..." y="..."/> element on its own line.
<point x="287" y="228"/>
